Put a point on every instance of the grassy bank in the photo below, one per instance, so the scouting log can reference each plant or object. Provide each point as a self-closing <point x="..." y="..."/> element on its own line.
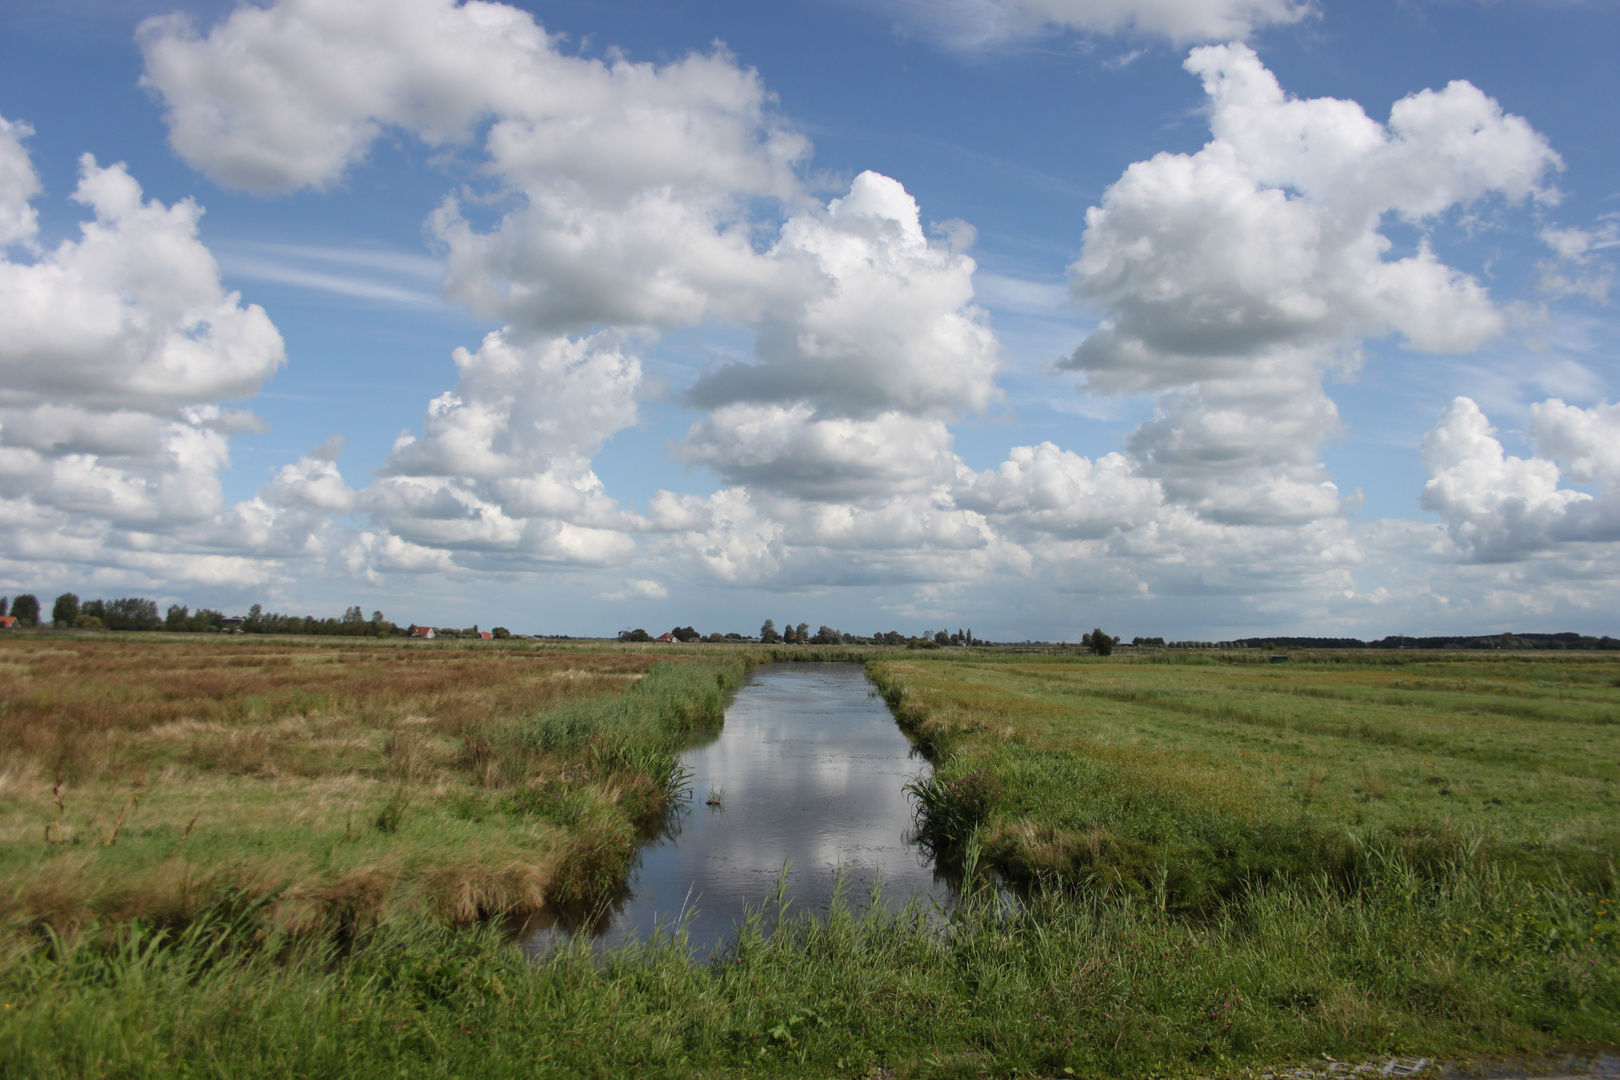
<point x="140" y="777"/>
<point x="1453" y="965"/>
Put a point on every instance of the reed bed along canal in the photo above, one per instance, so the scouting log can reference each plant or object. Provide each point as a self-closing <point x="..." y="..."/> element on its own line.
<point x="254" y="857"/>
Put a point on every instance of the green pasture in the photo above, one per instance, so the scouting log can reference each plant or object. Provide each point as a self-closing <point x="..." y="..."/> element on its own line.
<point x="1204" y="772"/>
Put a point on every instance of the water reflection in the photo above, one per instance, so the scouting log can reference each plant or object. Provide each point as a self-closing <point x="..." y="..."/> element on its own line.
<point x="809" y="770"/>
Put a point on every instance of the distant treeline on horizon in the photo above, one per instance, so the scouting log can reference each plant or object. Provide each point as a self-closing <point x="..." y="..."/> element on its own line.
<point x="1401" y="641"/>
<point x="139" y="613"/>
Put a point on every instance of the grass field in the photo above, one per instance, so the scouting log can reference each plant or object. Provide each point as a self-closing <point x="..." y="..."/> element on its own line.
<point x="1243" y="865"/>
<point x="140" y="776"/>
<point x="1200" y="777"/>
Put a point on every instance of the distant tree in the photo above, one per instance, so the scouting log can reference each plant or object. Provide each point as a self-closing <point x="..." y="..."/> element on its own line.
<point x="26" y="609"/>
<point x="637" y="634"/>
<point x="377" y="618"/>
<point x="942" y="638"/>
<point x="801" y="633"/>
<point x="499" y="633"/>
<point x="827" y="636"/>
<point x="87" y="622"/>
<point x="354" y="615"/>
<point x="717" y="636"/>
<point x="1099" y="643"/>
<point x="767" y="632"/>
<point x="177" y="618"/>
<point x="65" y="610"/>
<point x="789" y="635"/>
<point x="5" y="602"/>
<point x="685" y="633"/>
<point x="733" y="637"/>
<point x="131" y="613"/>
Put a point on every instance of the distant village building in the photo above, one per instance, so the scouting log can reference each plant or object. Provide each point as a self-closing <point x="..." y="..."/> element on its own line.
<point x="666" y="638"/>
<point x="423" y="632"/>
<point x="8" y="622"/>
<point x="485" y="635"/>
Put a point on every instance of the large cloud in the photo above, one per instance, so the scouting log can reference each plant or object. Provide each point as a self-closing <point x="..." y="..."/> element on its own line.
<point x="1232" y="279"/>
<point x="1501" y="508"/>
<point x="117" y="353"/>
<point x="114" y="351"/>
<point x="851" y="386"/>
<point x="1046" y="490"/>
<point x="629" y="184"/>
<point x="503" y="469"/>
<point x="634" y="195"/>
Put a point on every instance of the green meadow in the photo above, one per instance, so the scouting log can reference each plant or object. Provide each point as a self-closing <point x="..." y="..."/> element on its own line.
<point x="1204" y="774"/>
<point x="1172" y="864"/>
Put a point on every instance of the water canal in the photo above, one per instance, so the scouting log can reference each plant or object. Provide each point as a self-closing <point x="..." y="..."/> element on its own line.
<point x="808" y="771"/>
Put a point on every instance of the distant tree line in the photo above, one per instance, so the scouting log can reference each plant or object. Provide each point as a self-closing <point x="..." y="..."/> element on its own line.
<point x="353" y="624"/>
<point x="1566" y="640"/>
<point x="140" y="613"/>
<point x="800" y="634"/>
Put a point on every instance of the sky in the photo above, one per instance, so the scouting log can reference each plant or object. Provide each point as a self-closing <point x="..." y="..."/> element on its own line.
<point x="1184" y="318"/>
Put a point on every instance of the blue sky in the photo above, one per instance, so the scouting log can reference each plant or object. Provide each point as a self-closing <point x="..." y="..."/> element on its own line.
<point x="788" y="305"/>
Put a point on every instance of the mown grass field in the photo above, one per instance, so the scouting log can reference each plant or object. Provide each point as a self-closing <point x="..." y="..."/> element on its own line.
<point x="1201" y="774"/>
<point x="1233" y="865"/>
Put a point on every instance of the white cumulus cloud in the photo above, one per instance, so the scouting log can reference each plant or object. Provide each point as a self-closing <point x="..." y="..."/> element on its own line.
<point x="503" y="466"/>
<point x="630" y="182"/>
<point x="1231" y="280"/>
<point x="1502" y="508"/>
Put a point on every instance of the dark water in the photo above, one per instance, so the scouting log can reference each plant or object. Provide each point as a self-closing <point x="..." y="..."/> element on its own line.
<point x="810" y="770"/>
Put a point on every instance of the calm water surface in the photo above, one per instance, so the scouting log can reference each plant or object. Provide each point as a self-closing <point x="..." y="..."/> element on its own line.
<point x="813" y="768"/>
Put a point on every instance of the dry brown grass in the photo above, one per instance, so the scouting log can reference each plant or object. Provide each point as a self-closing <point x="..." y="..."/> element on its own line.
<point x="91" y="706"/>
<point x="140" y="777"/>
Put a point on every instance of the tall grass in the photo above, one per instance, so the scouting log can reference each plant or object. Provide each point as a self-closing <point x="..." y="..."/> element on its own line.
<point x="349" y="779"/>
